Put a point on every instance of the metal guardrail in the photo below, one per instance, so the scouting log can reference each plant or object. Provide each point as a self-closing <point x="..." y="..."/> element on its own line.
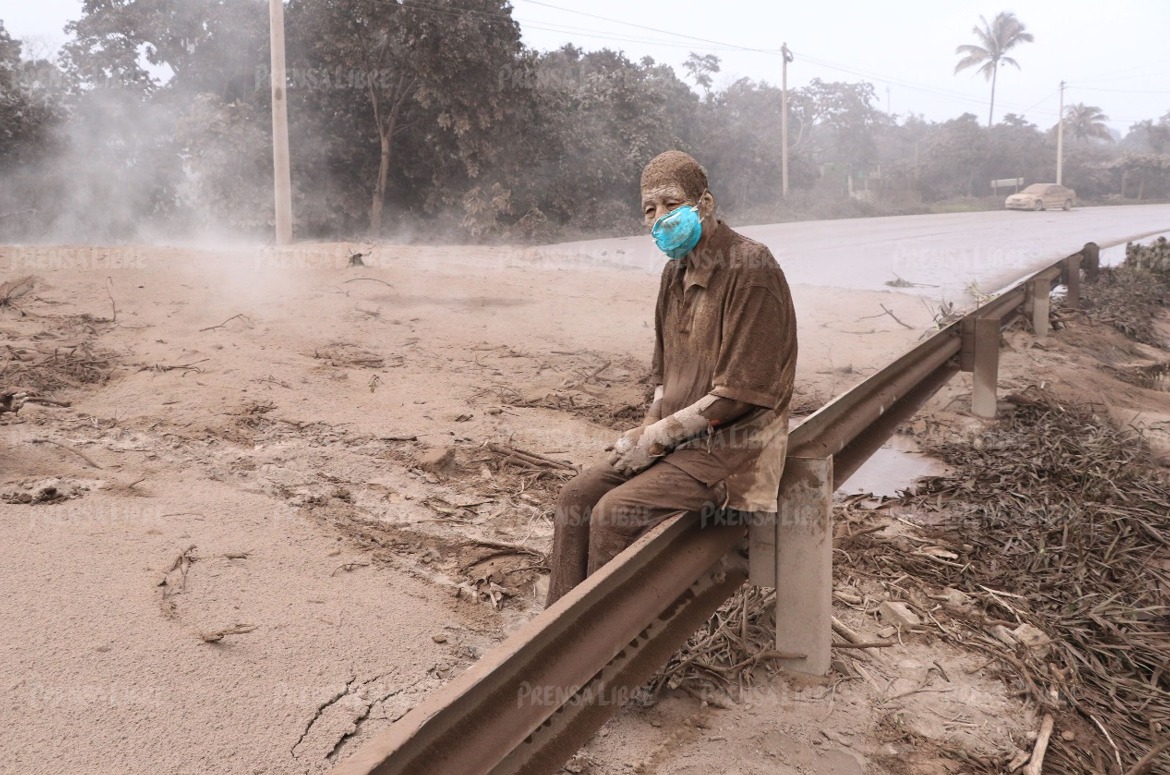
<point x="531" y="702"/>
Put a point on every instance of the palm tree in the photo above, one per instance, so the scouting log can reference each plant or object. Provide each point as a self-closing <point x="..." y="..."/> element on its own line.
<point x="1085" y="121"/>
<point x="995" y="40"/>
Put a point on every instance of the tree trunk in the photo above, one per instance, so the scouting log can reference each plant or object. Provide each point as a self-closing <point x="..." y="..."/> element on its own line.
<point x="1124" y="180"/>
<point x="386" y="129"/>
<point x="380" y="188"/>
<point x="1142" y="188"/>
<point x="991" y="110"/>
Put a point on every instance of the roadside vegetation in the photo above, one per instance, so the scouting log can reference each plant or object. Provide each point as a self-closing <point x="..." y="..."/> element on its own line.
<point x="416" y="118"/>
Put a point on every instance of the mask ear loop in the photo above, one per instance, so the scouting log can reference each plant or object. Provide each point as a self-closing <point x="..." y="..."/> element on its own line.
<point x="699" y="203"/>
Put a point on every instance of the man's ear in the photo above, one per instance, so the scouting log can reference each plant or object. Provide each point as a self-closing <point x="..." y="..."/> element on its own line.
<point x="706" y="205"/>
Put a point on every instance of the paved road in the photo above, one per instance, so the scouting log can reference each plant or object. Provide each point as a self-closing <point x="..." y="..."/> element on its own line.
<point x="944" y="253"/>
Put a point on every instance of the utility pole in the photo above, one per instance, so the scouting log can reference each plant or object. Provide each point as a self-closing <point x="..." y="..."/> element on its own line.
<point x="784" y="119"/>
<point x="1060" y="140"/>
<point x="280" y="162"/>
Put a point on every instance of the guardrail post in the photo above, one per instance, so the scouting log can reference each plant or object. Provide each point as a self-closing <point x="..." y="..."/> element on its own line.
<point x="980" y="356"/>
<point x="1037" y="301"/>
<point x="804" y="564"/>
<point x="762" y="550"/>
<point x="1092" y="261"/>
<point x="1070" y="275"/>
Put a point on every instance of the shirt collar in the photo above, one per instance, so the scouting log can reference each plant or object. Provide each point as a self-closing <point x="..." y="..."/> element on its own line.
<point x="701" y="264"/>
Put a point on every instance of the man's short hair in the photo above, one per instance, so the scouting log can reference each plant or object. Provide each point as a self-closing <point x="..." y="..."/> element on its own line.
<point x="678" y="168"/>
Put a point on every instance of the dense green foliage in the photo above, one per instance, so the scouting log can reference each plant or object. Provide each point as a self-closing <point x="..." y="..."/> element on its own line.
<point x="429" y="117"/>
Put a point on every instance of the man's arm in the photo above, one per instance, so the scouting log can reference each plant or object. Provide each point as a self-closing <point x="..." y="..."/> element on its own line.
<point x="723" y="411"/>
<point x="654" y="413"/>
<point x="727" y="410"/>
<point x="636" y="450"/>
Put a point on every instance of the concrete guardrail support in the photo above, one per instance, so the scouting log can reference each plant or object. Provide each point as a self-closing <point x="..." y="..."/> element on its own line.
<point x="802" y="565"/>
<point x="1070" y="275"/>
<point x="1037" y="302"/>
<point x="980" y="356"/>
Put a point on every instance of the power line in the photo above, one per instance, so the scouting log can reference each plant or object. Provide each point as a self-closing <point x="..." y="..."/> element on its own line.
<point x="1051" y="94"/>
<point x="932" y="90"/>
<point x="1122" y="91"/>
<point x="651" y="29"/>
<point x="608" y="36"/>
<point x="566" y="29"/>
<point x="841" y="68"/>
<point x="1125" y="73"/>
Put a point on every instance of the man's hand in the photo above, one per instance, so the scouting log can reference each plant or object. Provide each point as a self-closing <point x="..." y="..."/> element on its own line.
<point x="635" y="451"/>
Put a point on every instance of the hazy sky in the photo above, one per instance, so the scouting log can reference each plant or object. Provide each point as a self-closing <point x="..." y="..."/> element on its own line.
<point x="1115" y="57"/>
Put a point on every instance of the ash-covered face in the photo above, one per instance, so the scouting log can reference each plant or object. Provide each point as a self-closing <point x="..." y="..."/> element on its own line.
<point x="660" y="200"/>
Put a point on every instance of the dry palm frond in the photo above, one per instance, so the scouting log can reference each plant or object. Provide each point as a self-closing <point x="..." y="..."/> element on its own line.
<point x="1068" y="519"/>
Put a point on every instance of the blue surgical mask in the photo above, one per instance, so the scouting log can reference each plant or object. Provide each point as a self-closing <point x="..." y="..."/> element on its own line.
<point x="677" y="232"/>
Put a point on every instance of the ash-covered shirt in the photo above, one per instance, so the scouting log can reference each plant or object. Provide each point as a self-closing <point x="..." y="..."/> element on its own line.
<point x="725" y="325"/>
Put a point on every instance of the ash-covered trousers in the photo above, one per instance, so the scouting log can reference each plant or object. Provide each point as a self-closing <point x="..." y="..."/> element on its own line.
<point x="601" y="512"/>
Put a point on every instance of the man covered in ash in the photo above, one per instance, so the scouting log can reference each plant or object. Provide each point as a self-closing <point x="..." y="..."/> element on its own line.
<point x="716" y="435"/>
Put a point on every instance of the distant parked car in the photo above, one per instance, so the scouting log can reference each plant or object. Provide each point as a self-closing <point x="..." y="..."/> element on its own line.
<point x="1041" y="196"/>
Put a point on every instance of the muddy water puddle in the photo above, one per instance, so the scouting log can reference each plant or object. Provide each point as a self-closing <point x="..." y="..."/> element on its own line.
<point x="895" y="466"/>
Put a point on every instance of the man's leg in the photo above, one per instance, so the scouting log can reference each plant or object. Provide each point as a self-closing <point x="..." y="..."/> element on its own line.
<point x="570" y="554"/>
<point x="630" y="509"/>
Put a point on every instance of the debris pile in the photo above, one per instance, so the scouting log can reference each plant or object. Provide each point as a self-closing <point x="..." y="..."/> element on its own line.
<point x="1154" y="257"/>
<point x="721" y="658"/>
<point x="1129" y="297"/>
<point x="1067" y="521"/>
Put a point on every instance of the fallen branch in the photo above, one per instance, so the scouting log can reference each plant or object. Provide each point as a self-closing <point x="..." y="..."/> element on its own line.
<point x="901" y="282"/>
<point x="240" y="316"/>
<point x="1144" y="764"/>
<point x="895" y="317"/>
<point x="113" y="304"/>
<point x="502" y="547"/>
<point x="349" y="566"/>
<point x="532" y="458"/>
<point x="853" y="640"/>
<point x="845" y="632"/>
<point x="877" y="644"/>
<point x="182" y="564"/>
<point x="14" y="289"/>
<point x="371" y="279"/>
<point x="218" y="635"/>
<point x="722" y="657"/>
<point x="592" y="376"/>
<point x="81" y="455"/>
<point x="47" y="401"/>
<point x="1036" y="763"/>
<point x="192" y="366"/>
<point x="1109" y="737"/>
